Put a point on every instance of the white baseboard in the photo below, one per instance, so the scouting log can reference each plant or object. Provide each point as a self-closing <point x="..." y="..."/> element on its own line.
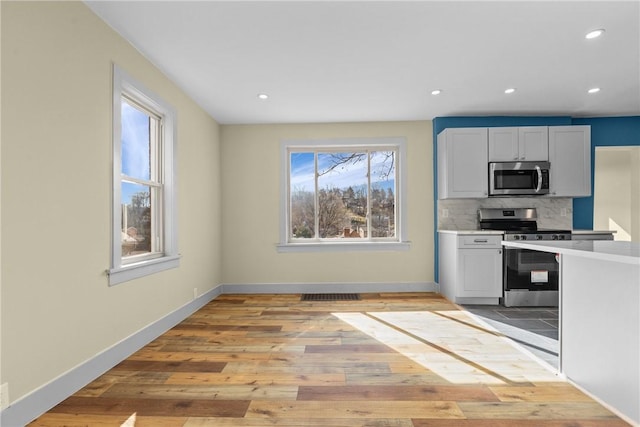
<point x="36" y="403"/>
<point x="302" y="288"/>
<point x="616" y="411"/>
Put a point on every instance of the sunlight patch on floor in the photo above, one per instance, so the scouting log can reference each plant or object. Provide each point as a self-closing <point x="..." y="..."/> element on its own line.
<point x="452" y="345"/>
<point x="130" y="422"/>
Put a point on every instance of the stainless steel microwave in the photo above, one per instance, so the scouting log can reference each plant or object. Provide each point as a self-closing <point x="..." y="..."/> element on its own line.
<point x="518" y="178"/>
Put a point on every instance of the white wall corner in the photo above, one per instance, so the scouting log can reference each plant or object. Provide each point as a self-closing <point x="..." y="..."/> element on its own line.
<point x="33" y="405"/>
<point x="36" y="403"/>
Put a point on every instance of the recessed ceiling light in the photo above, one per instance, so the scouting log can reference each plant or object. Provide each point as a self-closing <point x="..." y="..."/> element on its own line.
<point x="595" y="33"/>
<point x="436" y="92"/>
<point x="263" y="96"/>
<point x="594" y="90"/>
<point x="510" y="90"/>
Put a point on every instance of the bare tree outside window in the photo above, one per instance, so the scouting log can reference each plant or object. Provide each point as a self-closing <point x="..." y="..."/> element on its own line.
<point x="342" y="194"/>
<point x="140" y="180"/>
<point x="144" y="234"/>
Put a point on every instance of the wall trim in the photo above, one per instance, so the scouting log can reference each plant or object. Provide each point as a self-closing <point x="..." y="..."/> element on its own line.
<point x="39" y="401"/>
<point x="329" y="287"/>
<point x="617" y="412"/>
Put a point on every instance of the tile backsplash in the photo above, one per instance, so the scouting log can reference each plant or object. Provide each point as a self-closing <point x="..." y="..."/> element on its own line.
<point x="462" y="214"/>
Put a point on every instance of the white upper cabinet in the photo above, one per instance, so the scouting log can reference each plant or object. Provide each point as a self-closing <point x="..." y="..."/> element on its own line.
<point x="534" y="143"/>
<point x="464" y="155"/>
<point x="503" y="144"/>
<point x="462" y="163"/>
<point x="509" y="144"/>
<point x="570" y="158"/>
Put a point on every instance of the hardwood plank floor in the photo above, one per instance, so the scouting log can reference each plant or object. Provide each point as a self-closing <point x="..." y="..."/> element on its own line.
<point x="393" y="360"/>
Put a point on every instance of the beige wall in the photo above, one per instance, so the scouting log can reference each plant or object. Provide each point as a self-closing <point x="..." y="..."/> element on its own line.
<point x="251" y="209"/>
<point x="635" y="194"/>
<point x="57" y="308"/>
<point x="617" y="191"/>
<point x="3" y="399"/>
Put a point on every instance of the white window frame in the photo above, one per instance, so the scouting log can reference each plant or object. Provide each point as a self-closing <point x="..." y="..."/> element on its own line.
<point x="328" y="245"/>
<point x="135" y="267"/>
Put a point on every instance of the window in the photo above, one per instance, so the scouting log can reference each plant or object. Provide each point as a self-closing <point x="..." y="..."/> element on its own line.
<point x="144" y="238"/>
<point x="341" y="193"/>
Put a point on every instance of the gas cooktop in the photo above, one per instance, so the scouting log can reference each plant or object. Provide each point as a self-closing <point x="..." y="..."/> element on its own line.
<point x="518" y="224"/>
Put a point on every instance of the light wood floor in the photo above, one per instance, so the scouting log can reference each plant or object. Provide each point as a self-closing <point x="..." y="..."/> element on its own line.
<point x="402" y="360"/>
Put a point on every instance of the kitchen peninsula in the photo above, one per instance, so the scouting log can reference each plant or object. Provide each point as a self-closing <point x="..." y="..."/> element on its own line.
<point x="599" y="318"/>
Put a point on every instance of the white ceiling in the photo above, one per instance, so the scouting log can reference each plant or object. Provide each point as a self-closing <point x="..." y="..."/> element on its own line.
<point x="325" y="61"/>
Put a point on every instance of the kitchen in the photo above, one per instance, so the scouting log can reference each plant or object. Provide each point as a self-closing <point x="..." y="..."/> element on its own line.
<point x="56" y="70"/>
<point x="508" y="255"/>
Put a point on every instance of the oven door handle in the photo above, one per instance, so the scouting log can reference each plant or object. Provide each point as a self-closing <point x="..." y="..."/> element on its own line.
<point x="539" y="172"/>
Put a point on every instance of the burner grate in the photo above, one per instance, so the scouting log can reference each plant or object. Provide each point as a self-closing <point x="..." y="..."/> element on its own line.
<point x="330" y="297"/>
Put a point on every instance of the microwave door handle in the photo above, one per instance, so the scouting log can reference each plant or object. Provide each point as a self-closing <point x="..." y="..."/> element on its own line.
<point x="539" y="187"/>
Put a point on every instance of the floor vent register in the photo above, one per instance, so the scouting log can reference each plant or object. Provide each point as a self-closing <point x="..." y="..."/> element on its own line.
<point x="330" y="297"/>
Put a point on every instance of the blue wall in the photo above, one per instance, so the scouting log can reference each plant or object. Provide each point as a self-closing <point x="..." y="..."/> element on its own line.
<point x="605" y="131"/>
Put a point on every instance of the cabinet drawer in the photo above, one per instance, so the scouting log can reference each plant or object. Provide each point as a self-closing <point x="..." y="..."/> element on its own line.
<point x="480" y="241"/>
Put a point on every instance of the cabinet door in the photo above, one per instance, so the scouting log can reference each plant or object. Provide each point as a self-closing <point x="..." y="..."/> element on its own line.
<point x="510" y="144"/>
<point x="503" y="144"/>
<point x="480" y="273"/>
<point x="570" y="158"/>
<point x="533" y="143"/>
<point x="462" y="163"/>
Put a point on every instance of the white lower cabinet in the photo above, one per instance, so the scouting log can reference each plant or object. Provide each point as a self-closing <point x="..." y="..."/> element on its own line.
<point x="470" y="267"/>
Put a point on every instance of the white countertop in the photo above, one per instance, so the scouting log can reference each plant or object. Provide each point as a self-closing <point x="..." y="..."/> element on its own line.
<point x="610" y="250"/>
<point x="501" y="232"/>
<point x="464" y="232"/>
<point x="593" y="231"/>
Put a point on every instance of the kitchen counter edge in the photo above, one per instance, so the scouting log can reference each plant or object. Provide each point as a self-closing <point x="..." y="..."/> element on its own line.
<point x="607" y="250"/>
<point x="464" y="232"/>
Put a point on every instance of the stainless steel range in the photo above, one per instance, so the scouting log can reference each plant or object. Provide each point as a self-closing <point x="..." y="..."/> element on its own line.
<point x="530" y="278"/>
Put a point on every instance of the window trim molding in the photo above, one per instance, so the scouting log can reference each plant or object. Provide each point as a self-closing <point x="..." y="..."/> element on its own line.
<point x="120" y="272"/>
<point x="339" y="245"/>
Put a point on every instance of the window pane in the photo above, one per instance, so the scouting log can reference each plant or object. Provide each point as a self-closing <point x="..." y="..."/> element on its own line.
<point x="136" y="219"/>
<point x="383" y="190"/>
<point x="302" y="189"/>
<point x="136" y="154"/>
<point x="342" y="190"/>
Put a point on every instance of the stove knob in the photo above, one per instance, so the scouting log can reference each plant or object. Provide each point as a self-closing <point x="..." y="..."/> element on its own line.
<point x="561" y="236"/>
<point x="554" y="237"/>
<point x="523" y="237"/>
<point x="538" y="236"/>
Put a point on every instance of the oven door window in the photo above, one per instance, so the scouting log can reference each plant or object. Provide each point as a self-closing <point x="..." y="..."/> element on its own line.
<point x="531" y="270"/>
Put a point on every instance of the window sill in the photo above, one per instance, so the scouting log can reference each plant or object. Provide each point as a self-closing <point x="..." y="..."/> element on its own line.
<point x="343" y="246"/>
<point x="141" y="269"/>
